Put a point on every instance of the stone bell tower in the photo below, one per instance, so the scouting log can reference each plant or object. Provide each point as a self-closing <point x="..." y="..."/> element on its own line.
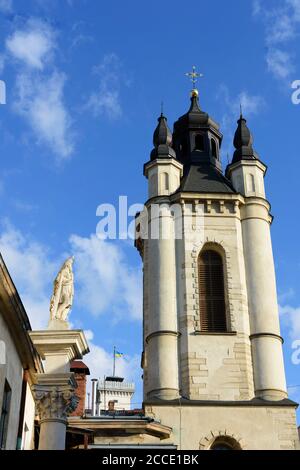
<point x="213" y="362"/>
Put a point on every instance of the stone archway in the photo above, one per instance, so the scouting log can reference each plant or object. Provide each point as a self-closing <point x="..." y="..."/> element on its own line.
<point x="222" y="438"/>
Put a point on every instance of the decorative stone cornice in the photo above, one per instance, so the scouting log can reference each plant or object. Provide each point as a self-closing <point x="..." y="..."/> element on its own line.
<point x="163" y="161"/>
<point x="162" y="333"/>
<point x="73" y="342"/>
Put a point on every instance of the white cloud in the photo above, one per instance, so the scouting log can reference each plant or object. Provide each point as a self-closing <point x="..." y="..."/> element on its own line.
<point x="281" y="29"/>
<point x="2" y="62"/>
<point x="284" y="296"/>
<point x="106" y="100"/>
<point x="39" y="90"/>
<point x="290" y="317"/>
<point x="100" y="363"/>
<point x="41" y="102"/>
<point x="256" y="7"/>
<point x="24" y="206"/>
<point x="105" y="280"/>
<point x="295" y="5"/>
<point x="33" y="45"/>
<point x="281" y="25"/>
<point x="279" y="63"/>
<point x="31" y="270"/>
<point x="251" y="105"/>
<point x="6" y="6"/>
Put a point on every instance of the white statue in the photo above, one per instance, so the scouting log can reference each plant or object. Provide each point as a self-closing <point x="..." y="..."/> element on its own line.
<point x="62" y="297"/>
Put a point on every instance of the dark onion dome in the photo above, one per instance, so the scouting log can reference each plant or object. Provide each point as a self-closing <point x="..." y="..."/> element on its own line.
<point x="242" y="142"/>
<point x="195" y="116"/>
<point x="162" y="140"/>
<point x="196" y="136"/>
<point x="197" y="141"/>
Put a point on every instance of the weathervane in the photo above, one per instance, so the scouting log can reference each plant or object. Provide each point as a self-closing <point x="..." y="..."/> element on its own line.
<point x="193" y="76"/>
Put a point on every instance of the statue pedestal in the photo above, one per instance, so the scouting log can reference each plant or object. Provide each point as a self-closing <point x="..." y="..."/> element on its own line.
<point x="59" y="347"/>
<point x="54" y="391"/>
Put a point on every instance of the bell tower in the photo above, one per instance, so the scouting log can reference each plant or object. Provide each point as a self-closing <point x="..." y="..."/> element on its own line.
<point x="213" y="362"/>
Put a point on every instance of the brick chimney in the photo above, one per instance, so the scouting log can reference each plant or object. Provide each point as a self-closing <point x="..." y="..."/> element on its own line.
<point x="81" y="371"/>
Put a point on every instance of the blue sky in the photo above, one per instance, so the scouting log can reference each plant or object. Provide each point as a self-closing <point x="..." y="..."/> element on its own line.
<point x="85" y="80"/>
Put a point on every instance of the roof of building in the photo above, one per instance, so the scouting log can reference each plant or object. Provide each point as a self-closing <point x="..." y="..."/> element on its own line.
<point x="116" y="425"/>
<point x="113" y="378"/>
<point x="162" y="140"/>
<point x="79" y="366"/>
<point x="204" y="178"/>
<point x="243" y="142"/>
<point x="202" y="171"/>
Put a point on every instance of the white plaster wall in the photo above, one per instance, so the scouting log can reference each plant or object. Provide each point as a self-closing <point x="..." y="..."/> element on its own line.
<point x="29" y="415"/>
<point x="13" y="373"/>
<point x="123" y="399"/>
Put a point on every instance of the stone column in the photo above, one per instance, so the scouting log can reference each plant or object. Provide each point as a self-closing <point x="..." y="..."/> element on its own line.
<point x="268" y="366"/>
<point x="162" y="340"/>
<point x="55" y="390"/>
<point x="55" y="398"/>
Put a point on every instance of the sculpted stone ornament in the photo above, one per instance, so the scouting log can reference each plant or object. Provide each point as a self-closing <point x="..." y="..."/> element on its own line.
<point x="55" y="402"/>
<point x="62" y="297"/>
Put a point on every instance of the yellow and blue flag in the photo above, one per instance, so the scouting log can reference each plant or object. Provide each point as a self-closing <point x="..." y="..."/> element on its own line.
<point x="118" y="354"/>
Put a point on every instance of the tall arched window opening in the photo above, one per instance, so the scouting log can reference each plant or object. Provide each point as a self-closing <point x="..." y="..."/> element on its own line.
<point x="199" y="142"/>
<point x="211" y="292"/>
<point x="214" y="151"/>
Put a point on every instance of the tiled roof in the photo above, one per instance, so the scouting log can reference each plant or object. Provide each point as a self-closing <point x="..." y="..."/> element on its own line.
<point x="205" y="178"/>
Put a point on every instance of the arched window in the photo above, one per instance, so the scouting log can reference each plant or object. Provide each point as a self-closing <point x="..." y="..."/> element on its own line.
<point x="251" y="183"/>
<point x="225" y="443"/>
<point x="211" y="292"/>
<point x="164" y="182"/>
<point x="214" y="148"/>
<point x="153" y="189"/>
<point x="199" y="142"/>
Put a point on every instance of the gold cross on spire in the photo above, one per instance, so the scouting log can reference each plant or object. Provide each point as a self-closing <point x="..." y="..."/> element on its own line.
<point x="193" y="76"/>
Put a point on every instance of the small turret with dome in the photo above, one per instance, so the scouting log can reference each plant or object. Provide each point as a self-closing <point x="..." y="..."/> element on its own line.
<point x="196" y="136"/>
<point x="246" y="171"/>
<point x="243" y="142"/>
<point x="162" y="140"/>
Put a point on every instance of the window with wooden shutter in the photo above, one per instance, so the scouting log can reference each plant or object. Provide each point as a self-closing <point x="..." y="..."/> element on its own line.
<point x="211" y="292"/>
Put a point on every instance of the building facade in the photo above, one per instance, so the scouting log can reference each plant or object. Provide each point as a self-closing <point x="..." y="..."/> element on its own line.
<point x="113" y="393"/>
<point x="213" y="362"/>
<point x="19" y="362"/>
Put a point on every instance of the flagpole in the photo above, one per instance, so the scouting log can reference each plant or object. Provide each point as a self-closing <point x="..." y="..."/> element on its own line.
<point x="114" y="366"/>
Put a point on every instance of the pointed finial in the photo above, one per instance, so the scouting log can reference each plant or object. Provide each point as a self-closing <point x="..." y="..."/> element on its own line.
<point x="241" y="111"/>
<point x="193" y="76"/>
<point x="162" y="108"/>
